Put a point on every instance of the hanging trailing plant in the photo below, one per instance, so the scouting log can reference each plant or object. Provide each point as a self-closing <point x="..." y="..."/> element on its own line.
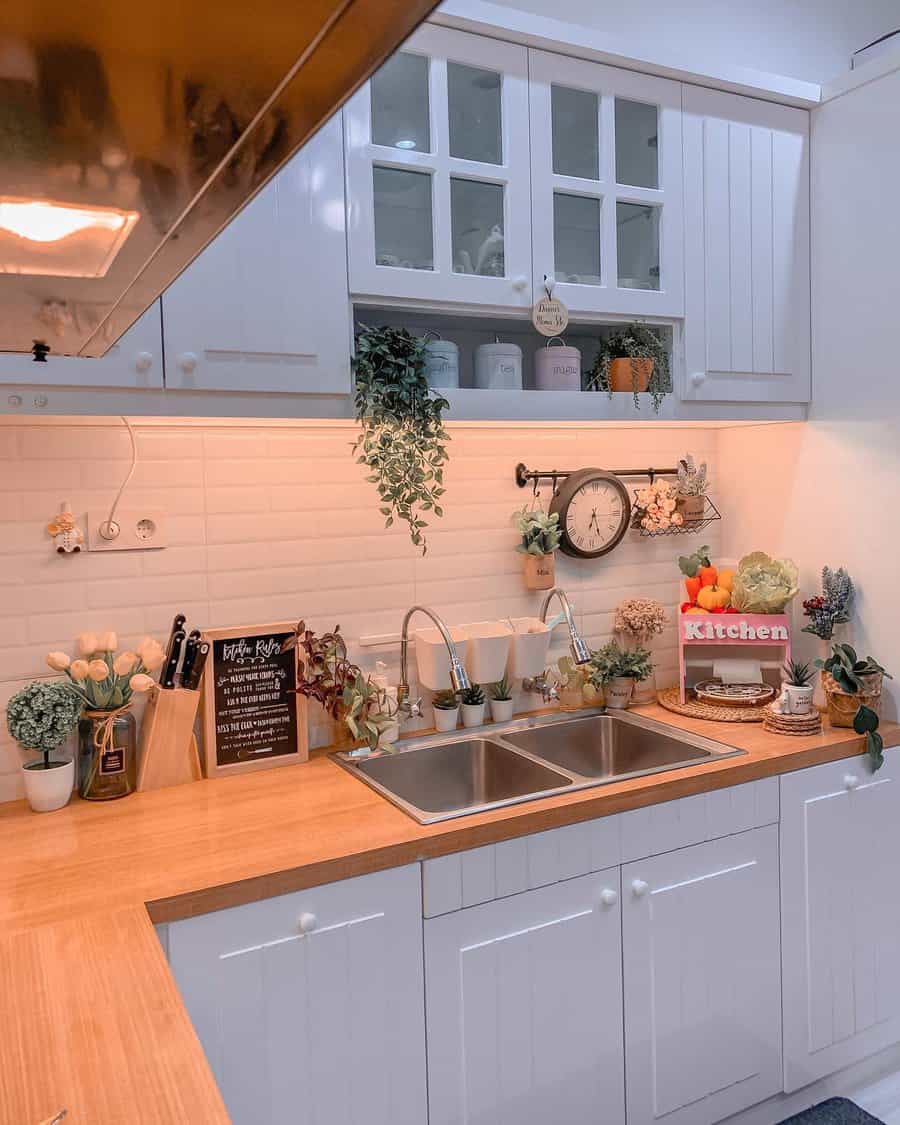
<point x="647" y="364"/>
<point x="402" y="438"/>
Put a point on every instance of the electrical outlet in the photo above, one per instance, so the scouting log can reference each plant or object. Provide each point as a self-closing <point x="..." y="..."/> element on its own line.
<point x="140" y="529"/>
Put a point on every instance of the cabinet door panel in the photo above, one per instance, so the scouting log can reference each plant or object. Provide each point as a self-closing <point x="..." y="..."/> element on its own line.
<point x="134" y="361"/>
<point x="746" y="230"/>
<point x="280" y="1011"/>
<point x="524" y="1009"/>
<point x="840" y="832"/>
<point x="265" y="307"/>
<point x="702" y="976"/>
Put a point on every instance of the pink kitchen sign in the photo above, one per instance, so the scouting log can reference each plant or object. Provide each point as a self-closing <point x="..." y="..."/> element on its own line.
<point x="737" y="629"/>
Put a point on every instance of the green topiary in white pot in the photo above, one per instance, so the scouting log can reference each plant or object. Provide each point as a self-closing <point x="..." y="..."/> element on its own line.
<point x="40" y="718"/>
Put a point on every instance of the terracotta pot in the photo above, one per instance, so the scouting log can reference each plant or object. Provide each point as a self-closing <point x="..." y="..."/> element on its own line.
<point x="842" y="705"/>
<point x="622" y="372"/>
<point x="540" y="572"/>
<point x="692" y="508"/>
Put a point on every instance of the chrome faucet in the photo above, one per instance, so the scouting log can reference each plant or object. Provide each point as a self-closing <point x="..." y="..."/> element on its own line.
<point x="581" y="652"/>
<point x="412" y="708"/>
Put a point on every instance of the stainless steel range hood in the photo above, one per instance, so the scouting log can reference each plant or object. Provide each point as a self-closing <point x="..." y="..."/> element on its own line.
<point x="130" y="134"/>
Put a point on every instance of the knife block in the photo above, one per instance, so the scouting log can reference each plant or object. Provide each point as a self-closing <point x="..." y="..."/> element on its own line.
<point x="168" y="746"/>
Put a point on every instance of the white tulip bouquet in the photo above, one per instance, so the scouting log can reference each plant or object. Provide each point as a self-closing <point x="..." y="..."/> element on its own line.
<point x="103" y="679"/>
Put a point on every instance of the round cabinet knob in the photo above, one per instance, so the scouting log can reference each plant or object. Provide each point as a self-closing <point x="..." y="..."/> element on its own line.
<point x="187" y="361"/>
<point x="639" y="888"/>
<point x="307" y="922"/>
<point x="608" y="897"/>
<point x="698" y="377"/>
<point x="520" y="283"/>
<point x="15" y="400"/>
<point x="143" y="361"/>
<point x="850" y="781"/>
<point x="40" y="401"/>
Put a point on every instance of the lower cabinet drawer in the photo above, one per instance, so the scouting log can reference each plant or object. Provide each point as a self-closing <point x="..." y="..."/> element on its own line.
<point x="524" y="1008"/>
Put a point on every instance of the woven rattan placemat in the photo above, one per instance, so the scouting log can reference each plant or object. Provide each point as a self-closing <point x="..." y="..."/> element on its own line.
<point x="670" y="698"/>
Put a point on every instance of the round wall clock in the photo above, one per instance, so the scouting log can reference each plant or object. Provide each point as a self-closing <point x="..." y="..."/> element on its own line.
<point x="594" y="513"/>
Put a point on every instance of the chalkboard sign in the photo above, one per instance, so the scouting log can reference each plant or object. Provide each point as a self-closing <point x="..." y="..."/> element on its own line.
<point x="253" y="716"/>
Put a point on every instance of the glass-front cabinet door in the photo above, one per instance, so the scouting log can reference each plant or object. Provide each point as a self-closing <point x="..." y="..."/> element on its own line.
<point x="606" y="187"/>
<point x="438" y="173"/>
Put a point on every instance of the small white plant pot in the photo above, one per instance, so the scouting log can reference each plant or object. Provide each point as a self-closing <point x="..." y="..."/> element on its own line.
<point x="446" y="718"/>
<point x="799" y="700"/>
<point x="528" y="649"/>
<point x="47" y="790"/>
<point x="501" y="710"/>
<point x="432" y="659"/>
<point x="472" y="714"/>
<point x="487" y="651"/>
<point x="618" y="692"/>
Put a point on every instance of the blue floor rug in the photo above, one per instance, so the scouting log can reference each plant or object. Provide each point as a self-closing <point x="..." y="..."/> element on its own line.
<point x="836" y="1111"/>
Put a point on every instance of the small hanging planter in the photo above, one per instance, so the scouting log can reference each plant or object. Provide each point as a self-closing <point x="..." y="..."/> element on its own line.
<point x="541" y="536"/>
<point x="540" y="572"/>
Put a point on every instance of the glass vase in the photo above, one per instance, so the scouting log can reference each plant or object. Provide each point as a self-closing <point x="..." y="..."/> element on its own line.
<point x="107" y="755"/>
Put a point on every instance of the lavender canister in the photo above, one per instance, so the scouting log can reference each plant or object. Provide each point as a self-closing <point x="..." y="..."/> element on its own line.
<point x="557" y="368"/>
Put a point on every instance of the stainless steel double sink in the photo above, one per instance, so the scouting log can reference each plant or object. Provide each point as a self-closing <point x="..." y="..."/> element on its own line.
<point x="439" y="777"/>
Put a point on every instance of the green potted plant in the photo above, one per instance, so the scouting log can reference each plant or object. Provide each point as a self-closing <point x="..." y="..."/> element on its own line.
<point x="501" y="701"/>
<point x="853" y="691"/>
<point x="472" y="704"/>
<point x="618" y="670"/>
<point x="402" y="440"/>
<point x="797" y="690"/>
<point x="693" y="484"/>
<point x="446" y="710"/>
<point x="634" y="360"/>
<point x="40" y="718"/>
<point x="639" y="621"/>
<point x="370" y="712"/>
<point x="541" y="535"/>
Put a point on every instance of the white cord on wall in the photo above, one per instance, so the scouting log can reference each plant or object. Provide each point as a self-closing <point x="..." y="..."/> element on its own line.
<point x="109" y="529"/>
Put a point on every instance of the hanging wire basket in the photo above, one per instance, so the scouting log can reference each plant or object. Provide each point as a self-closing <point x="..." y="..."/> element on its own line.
<point x="689" y="527"/>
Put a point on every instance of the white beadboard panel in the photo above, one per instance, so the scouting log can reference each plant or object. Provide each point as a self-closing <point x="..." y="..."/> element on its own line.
<point x="276" y="521"/>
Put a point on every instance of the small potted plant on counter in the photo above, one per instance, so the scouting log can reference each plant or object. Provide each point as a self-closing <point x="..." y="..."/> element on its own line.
<point x="446" y="710"/>
<point x="797" y="690"/>
<point x="40" y="718"/>
<point x="853" y="691"/>
<point x="639" y="621"/>
<point x="501" y="701"/>
<point x="632" y="360"/>
<point x="370" y="712"/>
<point x="472" y="702"/>
<point x="693" y="483"/>
<point x="618" y="670"/>
<point x="541" y="537"/>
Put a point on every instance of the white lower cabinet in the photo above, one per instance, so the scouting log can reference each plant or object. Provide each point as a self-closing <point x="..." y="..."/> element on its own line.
<point x="702" y="981"/>
<point x="309" y="1005"/>
<point x="524" y="1008"/>
<point x="840" y="838"/>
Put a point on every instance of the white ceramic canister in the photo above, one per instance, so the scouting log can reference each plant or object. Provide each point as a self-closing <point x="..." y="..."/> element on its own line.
<point x="442" y="363"/>
<point x="557" y="368"/>
<point x="498" y="367"/>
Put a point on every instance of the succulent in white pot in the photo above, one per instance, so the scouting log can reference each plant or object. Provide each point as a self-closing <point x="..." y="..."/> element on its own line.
<point x="501" y="701"/>
<point x="797" y="688"/>
<point x="446" y="710"/>
<point x="472" y="706"/>
<point x="40" y="718"/>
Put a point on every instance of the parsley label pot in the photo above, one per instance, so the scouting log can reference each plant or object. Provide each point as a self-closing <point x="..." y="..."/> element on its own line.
<point x="540" y="572"/>
<point x="472" y="714"/>
<point x="619" y="691"/>
<point x="501" y="710"/>
<point x="49" y="789"/>
<point x="628" y="375"/>
<point x="446" y="718"/>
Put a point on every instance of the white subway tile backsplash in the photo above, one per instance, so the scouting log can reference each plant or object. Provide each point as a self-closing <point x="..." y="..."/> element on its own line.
<point x="277" y="522"/>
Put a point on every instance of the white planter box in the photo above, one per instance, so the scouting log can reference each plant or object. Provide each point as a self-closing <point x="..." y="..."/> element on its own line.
<point x="431" y="657"/>
<point x="487" y="650"/>
<point x="528" y="651"/>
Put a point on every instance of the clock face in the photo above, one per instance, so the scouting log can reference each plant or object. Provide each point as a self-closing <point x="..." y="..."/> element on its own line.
<point x="594" y="513"/>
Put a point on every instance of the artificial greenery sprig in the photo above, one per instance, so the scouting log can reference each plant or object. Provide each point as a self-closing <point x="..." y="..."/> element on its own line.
<point x="541" y="533"/>
<point x="613" y="662"/>
<point x="402" y="438"/>
<point x="849" y="672"/>
<point x="633" y="341"/>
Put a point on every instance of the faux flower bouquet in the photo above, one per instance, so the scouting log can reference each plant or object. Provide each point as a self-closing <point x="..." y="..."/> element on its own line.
<point x="103" y="679"/>
<point x="657" y="506"/>
<point x="640" y="618"/>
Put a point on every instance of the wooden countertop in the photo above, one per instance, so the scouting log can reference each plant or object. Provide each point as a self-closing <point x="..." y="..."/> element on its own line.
<point x="97" y="1023"/>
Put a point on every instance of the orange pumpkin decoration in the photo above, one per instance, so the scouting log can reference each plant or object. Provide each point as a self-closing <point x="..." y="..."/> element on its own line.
<point x="696" y="609"/>
<point x="713" y="597"/>
<point x="725" y="580"/>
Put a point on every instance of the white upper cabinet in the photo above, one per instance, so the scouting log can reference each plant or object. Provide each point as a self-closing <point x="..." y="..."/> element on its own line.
<point x="437" y="173"/>
<point x="747" y="296"/>
<point x="134" y="362"/>
<point x="310" y="1006"/>
<point x="265" y="306"/>
<point x="524" y="1008"/>
<point x="840" y="836"/>
<point x="701" y="951"/>
<point x="606" y="185"/>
